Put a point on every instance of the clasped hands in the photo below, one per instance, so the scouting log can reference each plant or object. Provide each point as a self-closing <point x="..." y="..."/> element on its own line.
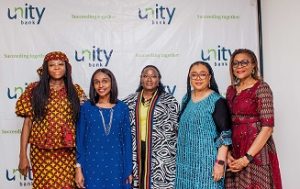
<point x="236" y="165"/>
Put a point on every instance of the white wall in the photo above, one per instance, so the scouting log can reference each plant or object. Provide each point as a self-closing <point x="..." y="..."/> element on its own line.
<point x="281" y="38"/>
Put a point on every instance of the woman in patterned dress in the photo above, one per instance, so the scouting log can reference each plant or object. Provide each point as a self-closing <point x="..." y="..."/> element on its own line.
<point x="103" y="137"/>
<point x="153" y="116"/>
<point x="50" y="108"/>
<point x="252" y="161"/>
<point x="204" y="132"/>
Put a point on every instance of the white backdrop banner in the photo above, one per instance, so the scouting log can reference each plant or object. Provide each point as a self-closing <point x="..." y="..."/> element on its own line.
<point x="123" y="36"/>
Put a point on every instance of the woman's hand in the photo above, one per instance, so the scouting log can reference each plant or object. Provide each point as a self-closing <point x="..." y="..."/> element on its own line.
<point x="23" y="161"/>
<point x="129" y="180"/>
<point x="239" y="164"/>
<point x="24" y="165"/>
<point x="229" y="158"/>
<point x="79" y="179"/>
<point x="218" y="172"/>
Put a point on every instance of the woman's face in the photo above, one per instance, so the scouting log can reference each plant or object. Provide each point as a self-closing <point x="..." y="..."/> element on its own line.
<point x="242" y="66"/>
<point x="150" y="79"/>
<point x="102" y="84"/>
<point x="56" y="69"/>
<point x="199" y="77"/>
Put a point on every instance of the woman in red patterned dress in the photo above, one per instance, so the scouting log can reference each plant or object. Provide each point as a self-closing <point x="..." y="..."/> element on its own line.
<point x="50" y="108"/>
<point x="252" y="161"/>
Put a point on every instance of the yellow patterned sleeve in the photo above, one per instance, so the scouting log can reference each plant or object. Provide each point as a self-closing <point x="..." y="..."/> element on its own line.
<point x="23" y="105"/>
<point x="81" y="95"/>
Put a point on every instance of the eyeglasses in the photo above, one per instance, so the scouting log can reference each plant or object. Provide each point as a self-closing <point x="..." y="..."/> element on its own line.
<point x="149" y="76"/>
<point x="201" y="75"/>
<point x="241" y="64"/>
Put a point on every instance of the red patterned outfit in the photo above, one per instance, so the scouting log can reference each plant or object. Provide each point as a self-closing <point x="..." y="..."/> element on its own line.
<point x="52" y="149"/>
<point x="251" y="110"/>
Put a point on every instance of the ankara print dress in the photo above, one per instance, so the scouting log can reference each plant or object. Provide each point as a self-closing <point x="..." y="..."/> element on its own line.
<point x="52" y="140"/>
<point x="251" y="110"/>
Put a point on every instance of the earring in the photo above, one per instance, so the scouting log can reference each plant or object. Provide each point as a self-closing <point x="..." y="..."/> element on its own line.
<point x="253" y="72"/>
<point x="236" y="80"/>
<point x="209" y="85"/>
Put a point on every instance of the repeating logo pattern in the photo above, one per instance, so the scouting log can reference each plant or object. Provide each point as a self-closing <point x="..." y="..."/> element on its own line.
<point x="219" y="56"/>
<point x="15" y="92"/>
<point x="94" y="57"/>
<point x="13" y="175"/>
<point x="28" y="15"/>
<point x="157" y="15"/>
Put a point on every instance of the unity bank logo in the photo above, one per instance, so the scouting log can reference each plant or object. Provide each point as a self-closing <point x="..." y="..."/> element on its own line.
<point x="157" y="15"/>
<point x="14" y="176"/>
<point x="219" y="56"/>
<point x="15" y="92"/>
<point x="171" y="89"/>
<point x="28" y="15"/>
<point x="94" y="57"/>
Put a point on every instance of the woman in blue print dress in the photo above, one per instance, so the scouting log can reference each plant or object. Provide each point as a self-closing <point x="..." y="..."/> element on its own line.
<point x="204" y="132"/>
<point x="103" y="137"/>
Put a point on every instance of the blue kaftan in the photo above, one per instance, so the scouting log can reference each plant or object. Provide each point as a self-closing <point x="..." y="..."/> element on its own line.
<point x="106" y="160"/>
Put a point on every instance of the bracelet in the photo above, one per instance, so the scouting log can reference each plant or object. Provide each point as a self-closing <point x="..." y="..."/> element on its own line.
<point x="78" y="165"/>
<point x="220" y="162"/>
<point x="249" y="157"/>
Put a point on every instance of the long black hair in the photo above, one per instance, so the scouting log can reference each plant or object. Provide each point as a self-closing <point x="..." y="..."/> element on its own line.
<point x="94" y="96"/>
<point x="160" y="88"/>
<point x="41" y="93"/>
<point x="212" y="83"/>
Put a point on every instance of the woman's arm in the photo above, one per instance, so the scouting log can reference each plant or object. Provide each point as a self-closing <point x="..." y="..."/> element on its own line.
<point x="222" y="120"/>
<point x="127" y="147"/>
<point x="259" y="142"/>
<point x="24" y="162"/>
<point x="80" y="147"/>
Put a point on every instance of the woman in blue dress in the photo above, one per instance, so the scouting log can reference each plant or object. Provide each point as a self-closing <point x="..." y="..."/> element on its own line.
<point x="103" y="137"/>
<point x="204" y="132"/>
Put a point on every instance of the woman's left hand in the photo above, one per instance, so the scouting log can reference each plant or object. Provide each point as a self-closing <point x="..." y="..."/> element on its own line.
<point x="239" y="164"/>
<point x="218" y="172"/>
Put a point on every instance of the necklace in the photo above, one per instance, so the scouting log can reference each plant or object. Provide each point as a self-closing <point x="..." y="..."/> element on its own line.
<point x="146" y="102"/>
<point x="107" y="127"/>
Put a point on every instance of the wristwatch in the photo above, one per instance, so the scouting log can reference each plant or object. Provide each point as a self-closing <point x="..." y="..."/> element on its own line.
<point x="249" y="157"/>
<point x="220" y="162"/>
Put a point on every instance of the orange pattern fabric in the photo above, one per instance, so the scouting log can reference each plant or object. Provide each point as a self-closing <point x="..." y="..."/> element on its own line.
<point x="52" y="139"/>
<point x="57" y="129"/>
<point x="53" y="169"/>
<point x="56" y="55"/>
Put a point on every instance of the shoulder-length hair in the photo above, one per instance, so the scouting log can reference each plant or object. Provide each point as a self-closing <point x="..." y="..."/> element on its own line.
<point x="41" y="93"/>
<point x="160" y="88"/>
<point x="255" y="73"/>
<point x="94" y="97"/>
<point x="212" y="83"/>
